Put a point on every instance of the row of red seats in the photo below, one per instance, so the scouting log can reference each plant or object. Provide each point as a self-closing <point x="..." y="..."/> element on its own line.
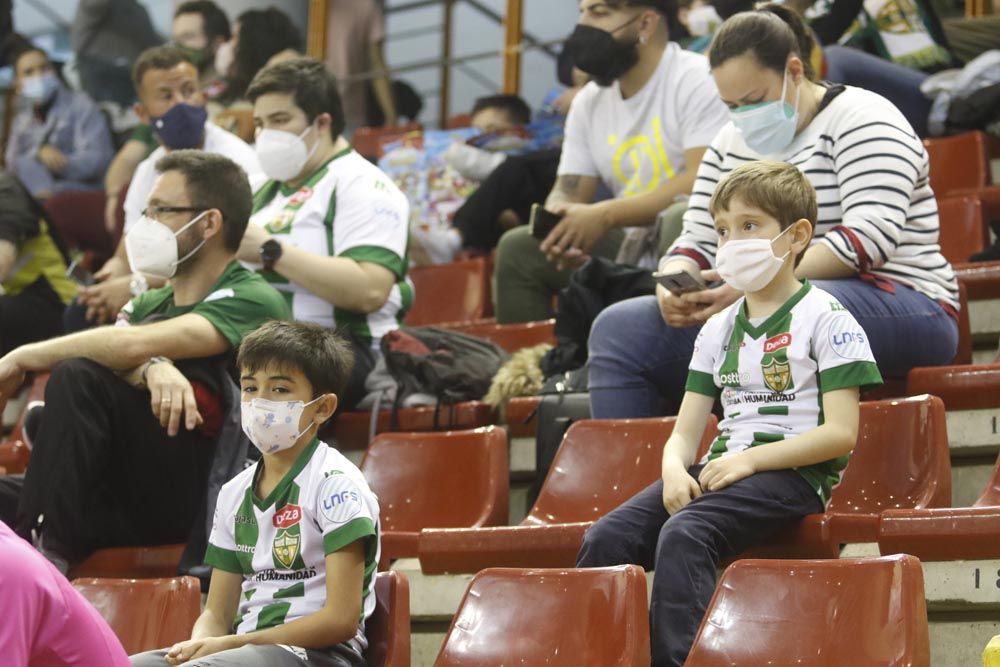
<point x="149" y="614"/>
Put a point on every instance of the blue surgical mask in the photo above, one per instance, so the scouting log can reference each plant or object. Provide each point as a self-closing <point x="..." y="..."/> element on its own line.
<point x="768" y="128"/>
<point x="40" y="89"/>
<point x="183" y="126"/>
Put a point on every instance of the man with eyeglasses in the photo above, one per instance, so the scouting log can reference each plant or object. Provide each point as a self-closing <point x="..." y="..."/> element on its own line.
<point x="125" y="442"/>
<point x="172" y="103"/>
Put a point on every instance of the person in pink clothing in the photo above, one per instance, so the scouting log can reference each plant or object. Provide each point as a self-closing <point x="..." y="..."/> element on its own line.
<point x="47" y="623"/>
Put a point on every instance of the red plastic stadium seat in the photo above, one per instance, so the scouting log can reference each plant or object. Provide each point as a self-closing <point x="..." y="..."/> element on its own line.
<point x="521" y="422"/>
<point x="963" y="230"/>
<point x="511" y="337"/>
<point x="966" y="533"/>
<point x="455" y="292"/>
<point x="600" y="465"/>
<point x="388" y="628"/>
<point x="958" y="163"/>
<point x="14" y="452"/>
<point x="78" y="218"/>
<point x="137" y="562"/>
<point x="982" y="280"/>
<point x="556" y="618"/>
<point x="350" y="429"/>
<point x="970" y="387"/>
<point x="901" y="461"/>
<point x="146" y="614"/>
<point x="458" y="478"/>
<point x="862" y="612"/>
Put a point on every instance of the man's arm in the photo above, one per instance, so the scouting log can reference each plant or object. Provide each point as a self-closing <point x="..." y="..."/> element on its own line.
<point x="118" y="348"/>
<point x="572" y="189"/>
<point x="8" y="256"/>
<point x="120" y="172"/>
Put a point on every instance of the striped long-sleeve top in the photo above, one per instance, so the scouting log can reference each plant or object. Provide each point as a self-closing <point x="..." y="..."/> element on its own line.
<point x="877" y="212"/>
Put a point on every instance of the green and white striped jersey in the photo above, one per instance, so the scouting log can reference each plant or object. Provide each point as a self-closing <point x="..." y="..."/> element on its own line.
<point x="279" y="543"/>
<point x="772" y="373"/>
<point x="348" y="208"/>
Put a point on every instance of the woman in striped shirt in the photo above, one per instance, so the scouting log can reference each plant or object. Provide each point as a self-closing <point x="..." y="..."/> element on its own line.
<point x="876" y="241"/>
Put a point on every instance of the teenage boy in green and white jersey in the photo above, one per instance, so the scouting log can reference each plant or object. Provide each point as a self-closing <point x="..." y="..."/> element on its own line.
<point x="329" y="230"/>
<point x="295" y="541"/>
<point x="788" y="362"/>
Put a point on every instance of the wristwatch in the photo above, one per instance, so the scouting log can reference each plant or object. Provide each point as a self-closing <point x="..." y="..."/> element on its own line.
<point x="270" y="253"/>
<point x="138" y="285"/>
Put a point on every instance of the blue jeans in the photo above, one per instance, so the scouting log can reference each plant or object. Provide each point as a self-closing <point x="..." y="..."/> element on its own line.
<point x="638" y="364"/>
<point x="900" y="85"/>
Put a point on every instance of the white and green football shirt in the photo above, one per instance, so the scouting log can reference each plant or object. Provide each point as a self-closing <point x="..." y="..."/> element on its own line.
<point x="771" y="373"/>
<point x="347" y="208"/>
<point x="279" y="544"/>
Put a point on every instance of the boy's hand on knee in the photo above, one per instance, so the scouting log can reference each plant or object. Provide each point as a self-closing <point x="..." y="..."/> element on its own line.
<point x="726" y="470"/>
<point x="679" y="489"/>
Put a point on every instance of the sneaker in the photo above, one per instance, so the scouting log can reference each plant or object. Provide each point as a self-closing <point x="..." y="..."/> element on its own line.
<point x="32" y="422"/>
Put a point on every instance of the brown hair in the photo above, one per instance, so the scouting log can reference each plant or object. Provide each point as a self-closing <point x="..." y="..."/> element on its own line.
<point x="320" y="354"/>
<point x="312" y="87"/>
<point x="776" y="188"/>
<point x="158" y="57"/>
<point x="771" y="34"/>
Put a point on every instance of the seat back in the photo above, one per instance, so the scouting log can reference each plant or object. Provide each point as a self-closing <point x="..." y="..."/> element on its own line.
<point x="862" y="612"/>
<point x="901" y="459"/>
<point x="78" y="218"/>
<point x="510" y="337"/>
<point x="601" y="464"/>
<point x="558" y="618"/>
<point x="454" y="292"/>
<point x="990" y="497"/>
<point x="963" y="232"/>
<point x="388" y="628"/>
<point x="456" y="479"/>
<point x="959" y="162"/>
<point x="145" y="614"/>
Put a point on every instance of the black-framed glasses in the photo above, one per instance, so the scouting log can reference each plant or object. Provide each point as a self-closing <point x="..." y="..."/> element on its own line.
<point x="155" y="212"/>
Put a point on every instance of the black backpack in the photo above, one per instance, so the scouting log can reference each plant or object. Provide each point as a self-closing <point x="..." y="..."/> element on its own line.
<point x="449" y="365"/>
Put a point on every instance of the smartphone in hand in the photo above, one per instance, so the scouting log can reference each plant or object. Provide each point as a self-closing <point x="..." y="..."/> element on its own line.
<point x="680" y="282"/>
<point x="80" y="275"/>
<point x="542" y="221"/>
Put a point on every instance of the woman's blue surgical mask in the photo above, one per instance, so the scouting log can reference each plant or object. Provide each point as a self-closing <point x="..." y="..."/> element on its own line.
<point x="768" y="127"/>
<point x="40" y="89"/>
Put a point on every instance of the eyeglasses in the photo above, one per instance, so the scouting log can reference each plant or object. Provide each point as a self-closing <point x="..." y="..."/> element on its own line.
<point x="155" y="212"/>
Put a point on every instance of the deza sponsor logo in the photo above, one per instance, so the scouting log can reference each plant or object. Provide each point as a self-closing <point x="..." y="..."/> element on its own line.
<point x="778" y="342"/>
<point x="287" y="517"/>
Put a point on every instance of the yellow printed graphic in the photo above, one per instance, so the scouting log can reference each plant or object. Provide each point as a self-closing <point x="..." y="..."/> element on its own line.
<point x="641" y="163"/>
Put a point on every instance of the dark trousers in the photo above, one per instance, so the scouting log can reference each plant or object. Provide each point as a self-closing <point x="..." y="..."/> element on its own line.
<point x="519" y="182"/>
<point x="685" y="549"/>
<point x="33" y="315"/>
<point x="103" y="472"/>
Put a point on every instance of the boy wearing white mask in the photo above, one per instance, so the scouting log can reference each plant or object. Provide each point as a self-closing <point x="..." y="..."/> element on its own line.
<point x="295" y="541"/>
<point x="59" y="140"/>
<point x="126" y="439"/>
<point x="787" y="361"/>
<point x="330" y="229"/>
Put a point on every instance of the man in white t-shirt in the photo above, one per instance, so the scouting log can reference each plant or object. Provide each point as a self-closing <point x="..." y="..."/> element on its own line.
<point x="640" y="128"/>
<point x="171" y="101"/>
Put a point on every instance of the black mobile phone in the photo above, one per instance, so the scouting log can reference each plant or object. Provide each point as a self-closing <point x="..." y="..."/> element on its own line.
<point x="680" y="282"/>
<point x="79" y="275"/>
<point x="542" y="221"/>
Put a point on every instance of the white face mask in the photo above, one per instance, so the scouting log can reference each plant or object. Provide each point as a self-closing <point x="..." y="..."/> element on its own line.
<point x="703" y="21"/>
<point x="749" y="264"/>
<point x="151" y="247"/>
<point x="273" y="426"/>
<point x="282" y="154"/>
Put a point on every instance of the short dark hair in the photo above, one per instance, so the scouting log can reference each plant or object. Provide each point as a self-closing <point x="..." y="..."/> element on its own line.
<point x="776" y="188"/>
<point x="666" y="8"/>
<point x="770" y="34"/>
<point x="263" y="33"/>
<point x="216" y="23"/>
<point x="158" y="57"/>
<point x="312" y="87"/>
<point x="214" y="181"/>
<point x="320" y="354"/>
<point x="515" y="107"/>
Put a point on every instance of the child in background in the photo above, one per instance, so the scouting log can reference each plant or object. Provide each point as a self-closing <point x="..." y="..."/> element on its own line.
<point x="788" y="362"/>
<point x="295" y="541"/>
